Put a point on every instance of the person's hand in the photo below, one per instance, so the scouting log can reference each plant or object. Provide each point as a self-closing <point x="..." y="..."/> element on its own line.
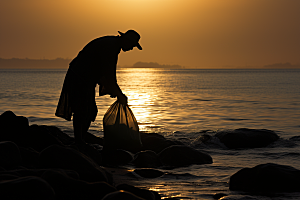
<point x="123" y="99"/>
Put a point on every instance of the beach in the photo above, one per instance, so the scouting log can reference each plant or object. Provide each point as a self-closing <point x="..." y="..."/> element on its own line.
<point x="184" y="106"/>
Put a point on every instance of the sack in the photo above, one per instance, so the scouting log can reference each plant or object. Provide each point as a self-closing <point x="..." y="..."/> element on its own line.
<point x="121" y="130"/>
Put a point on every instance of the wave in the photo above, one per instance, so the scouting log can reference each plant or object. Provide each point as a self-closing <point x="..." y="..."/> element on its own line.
<point x="295" y="138"/>
<point x="39" y="119"/>
<point x="234" y="119"/>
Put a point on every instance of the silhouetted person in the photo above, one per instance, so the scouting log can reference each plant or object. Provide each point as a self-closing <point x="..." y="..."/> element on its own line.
<point x="95" y="64"/>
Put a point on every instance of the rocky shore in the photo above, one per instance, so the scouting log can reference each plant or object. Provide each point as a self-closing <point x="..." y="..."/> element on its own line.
<point x="42" y="162"/>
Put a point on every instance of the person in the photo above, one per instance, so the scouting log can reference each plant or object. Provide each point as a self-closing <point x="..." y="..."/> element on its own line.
<point x="95" y="64"/>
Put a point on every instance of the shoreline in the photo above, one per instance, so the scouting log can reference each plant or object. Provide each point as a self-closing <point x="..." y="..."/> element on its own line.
<point x="40" y="153"/>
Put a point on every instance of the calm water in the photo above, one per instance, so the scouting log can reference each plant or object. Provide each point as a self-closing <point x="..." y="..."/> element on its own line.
<point x="180" y="104"/>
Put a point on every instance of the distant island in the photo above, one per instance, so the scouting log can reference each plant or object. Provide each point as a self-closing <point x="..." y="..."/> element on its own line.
<point x="18" y="63"/>
<point x="63" y="63"/>
<point x="282" y="66"/>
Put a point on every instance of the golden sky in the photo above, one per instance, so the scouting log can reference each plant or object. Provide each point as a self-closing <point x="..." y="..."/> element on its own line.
<point x="191" y="33"/>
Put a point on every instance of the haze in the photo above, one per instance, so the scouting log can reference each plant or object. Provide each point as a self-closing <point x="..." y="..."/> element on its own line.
<point x="190" y="33"/>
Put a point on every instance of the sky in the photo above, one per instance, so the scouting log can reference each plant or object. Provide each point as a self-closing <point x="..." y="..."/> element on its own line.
<point x="190" y="33"/>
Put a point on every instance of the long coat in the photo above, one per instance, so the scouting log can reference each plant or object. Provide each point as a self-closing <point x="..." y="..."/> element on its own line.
<point x="98" y="59"/>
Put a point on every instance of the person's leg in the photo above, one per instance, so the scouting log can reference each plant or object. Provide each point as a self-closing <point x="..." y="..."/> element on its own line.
<point x="85" y="128"/>
<point x="84" y="112"/>
<point x="80" y="126"/>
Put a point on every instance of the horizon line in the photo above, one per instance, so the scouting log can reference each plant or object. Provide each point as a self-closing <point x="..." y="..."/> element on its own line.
<point x="286" y="65"/>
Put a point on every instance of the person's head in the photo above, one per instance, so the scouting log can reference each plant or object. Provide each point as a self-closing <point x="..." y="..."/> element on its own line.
<point x="129" y="40"/>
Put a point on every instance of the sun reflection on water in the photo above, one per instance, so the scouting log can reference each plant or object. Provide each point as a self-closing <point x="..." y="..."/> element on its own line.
<point x="140" y="106"/>
<point x="142" y="92"/>
<point x="167" y="191"/>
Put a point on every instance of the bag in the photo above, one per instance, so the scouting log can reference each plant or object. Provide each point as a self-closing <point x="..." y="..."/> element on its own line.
<point x="121" y="130"/>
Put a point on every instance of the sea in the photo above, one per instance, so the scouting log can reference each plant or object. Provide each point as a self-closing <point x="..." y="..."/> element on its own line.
<point x="183" y="104"/>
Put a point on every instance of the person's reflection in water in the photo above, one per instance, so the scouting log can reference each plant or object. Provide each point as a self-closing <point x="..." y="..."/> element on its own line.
<point x="95" y="64"/>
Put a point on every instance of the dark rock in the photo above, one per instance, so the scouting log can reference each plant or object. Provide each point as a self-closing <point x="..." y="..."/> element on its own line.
<point x="19" y="172"/>
<point x="68" y="140"/>
<point x="68" y="188"/>
<point x="247" y="138"/>
<point x="156" y="142"/>
<point x="146" y="159"/>
<point x="266" y="178"/>
<point x="92" y="153"/>
<point x="39" y="138"/>
<point x="142" y="193"/>
<point x="181" y="155"/>
<point x="92" y="139"/>
<point x="205" y="138"/>
<point x="32" y="188"/>
<point x="23" y="172"/>
<point x="12" y="127"/>
<point x="57" y="156"/>
<point x="9" y="155"/>
<point x="149" y="173"/>
<point x="7" y="116"/>
<point x="29" y="157"/>
<point x="239" y="197"/>
<point x="295" y="138"/>
<point x="58" y="134"/>
<point x="6" y="176"/>
<point x="8" y="120"/>
<point x="219" y="195"/>
<point x="118" y="195"/>
<point x="116" y="157"/>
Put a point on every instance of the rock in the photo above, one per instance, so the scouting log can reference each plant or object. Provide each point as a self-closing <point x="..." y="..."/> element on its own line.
<point x="149" y="173"/>
<point x="247" y="138"/>
<point x="37" y="172"/>
<point x="7" y="117"/>
<point x="295" y="138"/>
<point x="92" y="139"/>
<point x="67" y="140"/>
<point x="92" y="153"/>
<point x="5" y="177"/>
<point x="219" y="195"/>
<point x="68" y="188"/>
<point x="29" y="157"/>
<point x="205" y="138"/>
<point x="12" y="127"/>
<point x="142" y="193"/>
<point x="39" y="138"/>
<point x="239" y="197"/>
<point x="146" y="159"/>
<point x="121" y="194"/>
<point x="58" y="134"/>
<point x="266" y="178"/>
<point x="66" y="183"/>
<point x="116" y="157"/>
<point x="10" y="156"/>
<point x="8" y="120"/>
<point x="181" y="155"/>
<point x="156" y="142"/>
<point x="57" y="156"/>
<point x="32" y="188"/>
<point x="19" y="172"/>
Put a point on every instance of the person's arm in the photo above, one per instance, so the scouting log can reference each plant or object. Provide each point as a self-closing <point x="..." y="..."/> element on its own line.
<point x="114" y="90"/>
<point x="109" y="78"/>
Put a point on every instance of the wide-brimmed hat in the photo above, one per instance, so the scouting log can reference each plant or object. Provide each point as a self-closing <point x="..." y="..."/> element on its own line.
<point x="133" y="36"/>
